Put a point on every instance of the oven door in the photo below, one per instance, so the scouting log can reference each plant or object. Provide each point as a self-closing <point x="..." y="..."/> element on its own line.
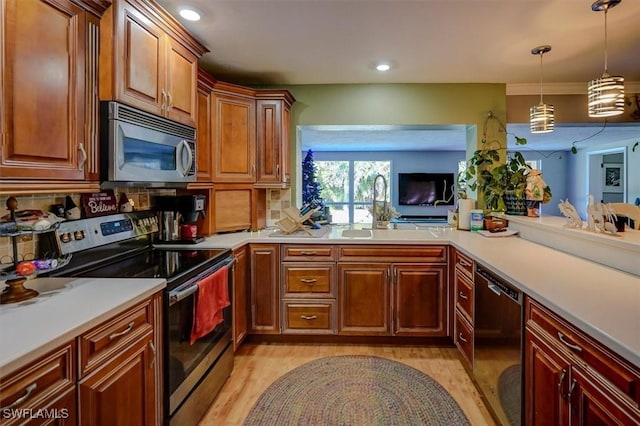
<point x="186" y="364"/>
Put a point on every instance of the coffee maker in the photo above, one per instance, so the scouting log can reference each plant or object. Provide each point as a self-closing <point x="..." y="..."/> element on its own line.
<point x="177" y="217"/>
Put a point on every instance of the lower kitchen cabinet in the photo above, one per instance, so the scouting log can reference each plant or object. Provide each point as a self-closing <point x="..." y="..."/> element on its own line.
<point x="308" y="317"/>
<point x="122" y="392"/>
<point x="45" y="384"/>
<point x="419" y="300"/>
<point x="363" y="299"/>
<point x="264" y="295"/>
<point x="120" y="368"/>
<point x="109" y="375"/>
<point x="572" y="380"/>
<point x="240" y="296"/>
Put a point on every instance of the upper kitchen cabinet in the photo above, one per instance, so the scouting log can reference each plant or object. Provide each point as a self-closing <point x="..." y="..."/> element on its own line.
<point x="273" y="118"/>
<point x="233" y="138"/>
<point x="204" y="148"/>
<point x="49" y="94"/>
<point x="149" y="61"/>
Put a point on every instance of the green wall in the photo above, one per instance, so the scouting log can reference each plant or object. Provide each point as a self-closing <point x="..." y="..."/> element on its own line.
<point x="395" y="104"/>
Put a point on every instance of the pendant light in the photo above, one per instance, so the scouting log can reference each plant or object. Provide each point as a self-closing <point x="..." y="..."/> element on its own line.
<point x="606" y="94"/>
<point x="541" y="116"/>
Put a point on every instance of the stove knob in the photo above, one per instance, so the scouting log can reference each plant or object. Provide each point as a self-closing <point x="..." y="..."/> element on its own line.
<point x="78" y="235"/>
<point x="66" y="237"/>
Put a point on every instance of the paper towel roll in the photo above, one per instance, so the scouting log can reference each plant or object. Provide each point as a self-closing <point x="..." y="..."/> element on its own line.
<point x="465" y="206"/>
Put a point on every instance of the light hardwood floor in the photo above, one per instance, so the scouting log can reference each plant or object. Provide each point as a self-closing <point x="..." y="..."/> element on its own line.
<point x="258" y="365"/>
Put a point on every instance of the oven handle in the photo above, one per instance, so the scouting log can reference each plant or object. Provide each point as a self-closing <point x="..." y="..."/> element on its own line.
<point x="177" y="295"/>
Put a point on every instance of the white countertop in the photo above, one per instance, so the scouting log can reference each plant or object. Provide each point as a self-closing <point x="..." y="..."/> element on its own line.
<point x="31" y="328"/>
<point x="602" y="301"/>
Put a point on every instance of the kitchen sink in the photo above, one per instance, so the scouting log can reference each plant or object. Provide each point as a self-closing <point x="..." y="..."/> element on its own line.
<point x="357" y="233"/>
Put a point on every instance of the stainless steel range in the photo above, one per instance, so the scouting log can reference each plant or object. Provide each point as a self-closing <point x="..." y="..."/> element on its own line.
<point x="120" y="246"/>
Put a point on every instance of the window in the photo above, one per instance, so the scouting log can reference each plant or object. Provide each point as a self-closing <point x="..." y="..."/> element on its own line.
<point x="347" y="187"/>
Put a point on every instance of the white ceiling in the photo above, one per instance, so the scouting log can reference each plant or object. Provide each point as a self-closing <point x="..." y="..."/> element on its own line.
<point x="426" y="41"/>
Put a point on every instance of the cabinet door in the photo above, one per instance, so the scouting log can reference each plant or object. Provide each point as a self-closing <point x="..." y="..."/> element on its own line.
<point x="43" y="89"/>
<point x="593" y="404"/>
<point x="269" y="141"/>
<point x="123" y="391"/>
<point x="546" y="383"/>
<point x="264" y="288"/>
<point x="181" y="82"/>
<point x="140" y="78"/>
<point x="419" y="300"/>
<point x="363" y="298"/>
<point x="240" y="297"/>
<point x="204" y="151"/>
<point x="233" y="124"/>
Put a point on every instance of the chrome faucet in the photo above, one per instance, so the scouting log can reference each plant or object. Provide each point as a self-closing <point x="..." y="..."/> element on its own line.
<point x="374" y="210"/>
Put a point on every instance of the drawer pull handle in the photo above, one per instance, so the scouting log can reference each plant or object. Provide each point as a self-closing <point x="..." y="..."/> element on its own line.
<point x="561" y="381"/>
<point x="308" y="318"/>
<point x="123" y="332"/>
<point x="308" y="253"/>
<point x="567" y="344"/>
<point x="464" y="263"/>
<point x="153" y="351"/>
<point x="462" y="296"/>
<point x="309" y="281"/>
<point x="23" y="398"/>
<point x="461" y="338"/>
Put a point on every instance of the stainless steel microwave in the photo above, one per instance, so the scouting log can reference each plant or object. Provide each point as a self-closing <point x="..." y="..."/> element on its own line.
<point x="139" y="148"/>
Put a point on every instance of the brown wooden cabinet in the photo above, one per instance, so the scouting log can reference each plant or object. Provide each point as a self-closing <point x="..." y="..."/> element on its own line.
<point x="264" y="296"/>
<point x="571" y="379"/>
<point x="120" y="367"/>
<point x="363" y="299"/>
<point x="148" y="60"/>
<point x="419" y="300"/>
<point x="273" y="120"/>
<point x="463" y="305"/>
<point x="49" y="122"/>
<point x="416" y="276"/>
<point x="45" y="384"/>
<point x="240" y="296"/>
<point x="204" y="144"/>
<point x="308" y="290"/>
<point x="233" y="133"/>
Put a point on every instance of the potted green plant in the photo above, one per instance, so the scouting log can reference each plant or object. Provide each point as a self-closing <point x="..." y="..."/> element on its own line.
<point x="502" y="184"/>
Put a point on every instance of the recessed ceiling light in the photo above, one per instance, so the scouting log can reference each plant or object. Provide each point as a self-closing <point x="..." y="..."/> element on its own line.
<point x="189" y="14"/>
<point x="383" y="67"/>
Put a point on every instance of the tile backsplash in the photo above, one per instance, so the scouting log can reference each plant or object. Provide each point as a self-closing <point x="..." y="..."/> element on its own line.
<point x="27" y="245"/>
<point x="277" y="200"/>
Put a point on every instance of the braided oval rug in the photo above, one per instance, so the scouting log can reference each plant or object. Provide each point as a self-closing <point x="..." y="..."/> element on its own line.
<point x="355" y="390"/>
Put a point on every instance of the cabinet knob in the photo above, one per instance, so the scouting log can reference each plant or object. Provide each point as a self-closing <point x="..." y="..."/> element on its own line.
<point x="462" y="296"/>
<point x="123" y="332"/>
<point x="308" y="281"/>
<point x="308" y="317"/>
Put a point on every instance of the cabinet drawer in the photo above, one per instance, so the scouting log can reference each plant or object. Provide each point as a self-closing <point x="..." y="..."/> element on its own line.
<point x="463" y="264"/>
<point x="610" y="366"/>
<point x="307" y="252"/>
<point x="306" y="317"/>
<point x="389" y="253"/>
<point x="464" y="338"/>
<point x="464" y="295"/>
<point x="105" y="341"/>
<point x="314" y="279"/>
<point x="41" y="383"/>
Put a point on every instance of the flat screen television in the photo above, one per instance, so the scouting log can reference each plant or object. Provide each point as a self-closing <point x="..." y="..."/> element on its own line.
<point x="424" y="189"/>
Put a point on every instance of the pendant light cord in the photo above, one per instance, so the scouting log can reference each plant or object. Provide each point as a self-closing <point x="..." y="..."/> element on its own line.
<point x="606" y="61"/>
<point x="541" y="55"/>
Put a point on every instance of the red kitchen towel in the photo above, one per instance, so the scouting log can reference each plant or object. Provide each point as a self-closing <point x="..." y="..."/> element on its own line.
<point x="210" y="299"/>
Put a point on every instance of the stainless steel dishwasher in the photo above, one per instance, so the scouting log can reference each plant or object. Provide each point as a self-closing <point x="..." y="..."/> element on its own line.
<point x="498" y="345"/>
